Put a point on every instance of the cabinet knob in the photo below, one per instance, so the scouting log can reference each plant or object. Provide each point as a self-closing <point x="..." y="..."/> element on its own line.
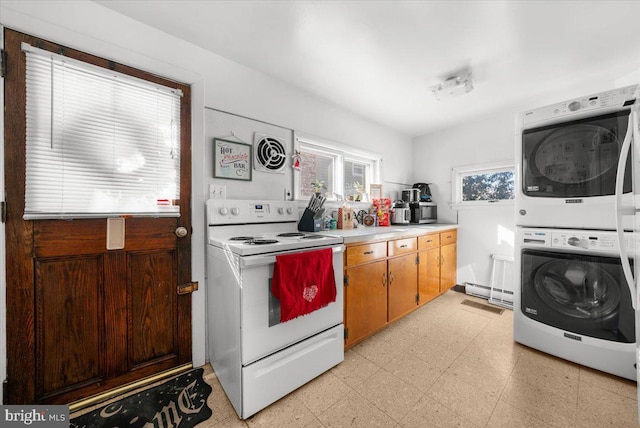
<point x="390" y="278"/>
<point x="384" y="279"/>
<point x="403" y="246"/>
<point x="366" y="253"/>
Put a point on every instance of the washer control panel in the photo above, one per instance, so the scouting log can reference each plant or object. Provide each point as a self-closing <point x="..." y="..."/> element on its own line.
<point x="582" y="240"/>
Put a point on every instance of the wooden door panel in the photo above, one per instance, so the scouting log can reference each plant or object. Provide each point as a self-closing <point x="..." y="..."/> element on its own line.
<point x="57" y="238"/>
<point x="366" y="300"/>
<point x="402" y="288"/>
<point x="433" y="270"/>
<point x="429" y="278"/>
<point x="70" y="323"/>
<point x="152" y="285"/>
<point x="448" y="268"/>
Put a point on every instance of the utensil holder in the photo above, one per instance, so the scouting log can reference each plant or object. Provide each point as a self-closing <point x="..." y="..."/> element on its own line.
<point x="309" y="224"/>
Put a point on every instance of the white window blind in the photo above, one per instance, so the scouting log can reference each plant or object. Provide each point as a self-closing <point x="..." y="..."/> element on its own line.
<point x="99" y="142"/>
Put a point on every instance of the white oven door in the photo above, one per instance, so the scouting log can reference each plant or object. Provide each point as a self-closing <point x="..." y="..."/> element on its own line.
<point x="262" y="333"/>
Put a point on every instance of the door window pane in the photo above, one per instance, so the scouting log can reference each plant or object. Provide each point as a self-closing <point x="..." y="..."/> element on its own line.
<point x="98" y="142"/>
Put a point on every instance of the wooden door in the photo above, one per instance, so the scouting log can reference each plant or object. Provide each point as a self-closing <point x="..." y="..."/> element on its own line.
<point x="429" y="275"/>
<point x="448" y="266"/>
<point x="82" y="319"/>
<point x="365" y="300"/>
<point x="403" y="286"/>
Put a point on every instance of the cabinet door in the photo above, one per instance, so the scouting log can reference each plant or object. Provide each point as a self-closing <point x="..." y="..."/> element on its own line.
<point x="402" y="288"/>
<point x="448" y="267"/>
<point x="365" y="300"/>
<point x="429" y="275"/>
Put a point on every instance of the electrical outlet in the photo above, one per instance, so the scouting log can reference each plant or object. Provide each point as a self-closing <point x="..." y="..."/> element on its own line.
<point x="217" y="191"/>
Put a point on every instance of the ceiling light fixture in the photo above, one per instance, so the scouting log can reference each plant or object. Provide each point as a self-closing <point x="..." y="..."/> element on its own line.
<point x="454" y="86"/>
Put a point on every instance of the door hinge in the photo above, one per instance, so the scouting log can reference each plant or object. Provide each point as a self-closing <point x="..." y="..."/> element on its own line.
<point x="417" y="260"/>
<point x="417" y="299"/>
<point x="3" y="211"/>
<point x="346" y="333"/>
<point x="3" y="63"/>
<point x="187" y="288"/>
<point x="346" y="280"/>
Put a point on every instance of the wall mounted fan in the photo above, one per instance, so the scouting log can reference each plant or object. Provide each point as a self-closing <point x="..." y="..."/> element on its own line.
<point x="269" y="153"/>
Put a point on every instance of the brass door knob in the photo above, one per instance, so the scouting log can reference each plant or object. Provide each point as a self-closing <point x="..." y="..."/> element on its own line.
<point x="181" y="232"/>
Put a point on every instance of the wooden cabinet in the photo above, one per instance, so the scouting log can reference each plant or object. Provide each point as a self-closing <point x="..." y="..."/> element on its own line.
<point x="365" y="300"/>
<point x="437" y="264"/>
<point x="402" y="288"/>
<point x="448" y="266"/>
<point x="386" y="280"/>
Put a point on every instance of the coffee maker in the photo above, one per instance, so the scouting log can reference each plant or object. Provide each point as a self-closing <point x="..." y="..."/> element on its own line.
<point x="425" y="192"/>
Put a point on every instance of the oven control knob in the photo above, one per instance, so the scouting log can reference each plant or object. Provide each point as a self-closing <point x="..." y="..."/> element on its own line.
<point x="289" y="210"/>
<point x="235" y="211"/>
<point x="280" y="210"/>
<point x="223" y="211"/>
<point x="574" y="106"/>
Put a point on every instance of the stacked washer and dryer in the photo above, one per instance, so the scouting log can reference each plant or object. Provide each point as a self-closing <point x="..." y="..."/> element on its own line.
<point x="575" y="239"/>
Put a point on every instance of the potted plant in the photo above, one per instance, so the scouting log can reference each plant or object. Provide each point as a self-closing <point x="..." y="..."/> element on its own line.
<point x="317" y="185"/>
<point x="359" y="188"/>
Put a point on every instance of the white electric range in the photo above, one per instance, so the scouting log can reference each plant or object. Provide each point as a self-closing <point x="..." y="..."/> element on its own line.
<point x="257" y="358"/>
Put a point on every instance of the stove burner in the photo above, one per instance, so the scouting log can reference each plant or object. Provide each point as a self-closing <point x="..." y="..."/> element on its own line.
<point x="290" y="234"/>
<point x="261" y="241"/>
<point x="312" y="237"/>
<point x="241" y="238"/>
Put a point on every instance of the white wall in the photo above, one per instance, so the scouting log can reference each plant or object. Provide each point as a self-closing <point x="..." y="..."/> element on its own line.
<point x="218" y="84"/>
<point x="482" y="230"/>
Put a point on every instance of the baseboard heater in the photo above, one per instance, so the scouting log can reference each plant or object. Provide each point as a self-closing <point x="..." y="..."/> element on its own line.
<point x="497" y="296"/>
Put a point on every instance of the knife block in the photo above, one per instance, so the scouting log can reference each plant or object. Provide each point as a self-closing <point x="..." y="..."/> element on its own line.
<point x="309" y="224"/>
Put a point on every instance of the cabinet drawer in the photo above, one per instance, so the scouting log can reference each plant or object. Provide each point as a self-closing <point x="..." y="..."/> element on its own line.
<point x="401" y="246"/>
<point x="428" y="241"/>
<point x="366" y="253"/>
<point x="448" y="237"/>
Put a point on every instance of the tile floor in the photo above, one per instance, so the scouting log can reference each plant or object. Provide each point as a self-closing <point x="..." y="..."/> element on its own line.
<point x="445" y="365"/>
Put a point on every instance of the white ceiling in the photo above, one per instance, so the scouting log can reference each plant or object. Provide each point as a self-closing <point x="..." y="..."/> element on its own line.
<point x="380" y="58"/>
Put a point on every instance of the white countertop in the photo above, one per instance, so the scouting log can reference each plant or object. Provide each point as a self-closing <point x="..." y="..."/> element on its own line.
<point x="381" y="233"/>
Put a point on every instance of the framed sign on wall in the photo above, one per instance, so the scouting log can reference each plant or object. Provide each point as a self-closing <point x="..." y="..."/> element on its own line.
<point x="376" y="191"/>
<point x="232" y="160"/>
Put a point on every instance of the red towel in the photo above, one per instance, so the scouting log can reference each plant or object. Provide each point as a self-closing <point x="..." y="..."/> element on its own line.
<point x="303" y="282"/>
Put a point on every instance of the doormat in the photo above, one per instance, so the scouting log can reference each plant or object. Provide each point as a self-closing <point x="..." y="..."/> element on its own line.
<point x="459" y="288"/>
<point x="180" y="402"/>
<point x="482" y="306"/>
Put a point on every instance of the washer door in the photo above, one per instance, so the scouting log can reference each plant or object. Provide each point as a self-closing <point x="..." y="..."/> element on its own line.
<point x="580" y="294"/>
<point x="578" y="289"/>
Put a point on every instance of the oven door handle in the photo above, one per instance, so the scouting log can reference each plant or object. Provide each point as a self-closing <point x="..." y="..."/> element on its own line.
<point x="622" y="210"/>
<point x="267" y="259"/>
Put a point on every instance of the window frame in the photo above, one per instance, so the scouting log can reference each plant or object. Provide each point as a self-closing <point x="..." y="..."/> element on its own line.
<point x="458" y="173"/>
<point x="340" y="153"/>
